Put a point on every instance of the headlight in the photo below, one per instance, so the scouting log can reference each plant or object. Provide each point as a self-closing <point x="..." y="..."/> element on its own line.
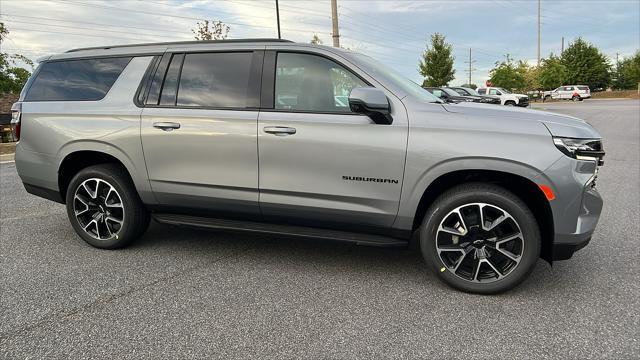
<point x="581" y="149"/>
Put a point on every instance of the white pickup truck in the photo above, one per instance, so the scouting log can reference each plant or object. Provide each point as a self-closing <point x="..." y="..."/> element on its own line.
<point x="506" y="97"/>
<point x="569" y="92"/>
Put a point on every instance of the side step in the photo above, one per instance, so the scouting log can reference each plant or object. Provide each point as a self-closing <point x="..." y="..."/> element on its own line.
<point x="287" y="230"/>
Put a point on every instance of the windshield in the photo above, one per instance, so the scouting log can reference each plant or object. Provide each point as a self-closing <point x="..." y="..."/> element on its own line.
<point x="377" y="69"/>
<point x="451" y="92"/>
<point x="471" y="91"/>
<point x="504" y="91"/>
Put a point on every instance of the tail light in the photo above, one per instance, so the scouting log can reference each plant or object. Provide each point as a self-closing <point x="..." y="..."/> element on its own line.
<point x="16" y="118"/>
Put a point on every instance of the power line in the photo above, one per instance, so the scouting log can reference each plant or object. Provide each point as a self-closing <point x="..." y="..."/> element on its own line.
<point x="84" y="28"/>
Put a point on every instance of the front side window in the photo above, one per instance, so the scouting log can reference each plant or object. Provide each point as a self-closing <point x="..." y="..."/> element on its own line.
<point x="76" y="80"/>
<point x="494" y="92"/>
<point x="219" y="80"/>
<point x="307" y="82"/>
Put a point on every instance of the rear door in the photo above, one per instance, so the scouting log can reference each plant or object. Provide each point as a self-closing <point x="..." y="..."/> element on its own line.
<point x="567" y="92"/>
<point x="320" y="163"/>
<point x="199" y="131"/>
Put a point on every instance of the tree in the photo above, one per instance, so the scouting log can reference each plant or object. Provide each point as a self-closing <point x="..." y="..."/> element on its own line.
<point x="530" y="76"/>
<point x="211" y="30"/>
<point x="552" y="73"/>
<point x="586" y="65"/>
<point x="315" y="40"/>
<point x="628" y="72"/>
<point x="471" y="86"/>
<point x="507" y="74"/>
<point x="12" y="76"/>
<point x="437" y="62"/>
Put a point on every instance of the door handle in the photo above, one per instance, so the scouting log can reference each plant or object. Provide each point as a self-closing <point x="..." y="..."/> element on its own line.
<point x="279" y="130"/>
<point x="166" y="126"/>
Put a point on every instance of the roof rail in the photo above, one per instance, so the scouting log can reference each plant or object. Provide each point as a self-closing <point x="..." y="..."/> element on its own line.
<point x="230" y="41"/>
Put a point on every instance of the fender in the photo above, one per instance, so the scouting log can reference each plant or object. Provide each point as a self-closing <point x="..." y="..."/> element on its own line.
<point x="412" y="193"/>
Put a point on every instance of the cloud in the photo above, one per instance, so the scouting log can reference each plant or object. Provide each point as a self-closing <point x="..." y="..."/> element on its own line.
<point x="395" y="32"/>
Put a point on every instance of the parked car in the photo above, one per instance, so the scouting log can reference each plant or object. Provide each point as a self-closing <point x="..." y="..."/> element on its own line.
<point x="506" y="97"/>
<point x="569" y="92"/>
<point x="253" y="135"/>
<point x="464" y="91"/>
<point x="448" y="96"/>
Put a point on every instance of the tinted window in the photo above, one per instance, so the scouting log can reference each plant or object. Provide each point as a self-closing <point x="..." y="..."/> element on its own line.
<point x="568" y="88"/>
<point x="462" y="92"/>
<point x="215" y="80"/>
<point x="482" y="91"/>
<point x="584" y="88"/>
<point x="76" y="80"/>
<point x="170" y="86"/>
<point x="313" y="83"/>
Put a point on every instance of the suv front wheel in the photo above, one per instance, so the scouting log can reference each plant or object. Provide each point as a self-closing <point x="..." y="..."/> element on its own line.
<point x="104" y="208"/>
<point x="480" y="238"/>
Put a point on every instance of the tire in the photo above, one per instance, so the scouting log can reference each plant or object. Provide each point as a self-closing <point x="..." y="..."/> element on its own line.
<point x="104" y="207"/>
<point x="454" y="257"/>
<point x="510" y="103"/>
<point x="575" y="98"/>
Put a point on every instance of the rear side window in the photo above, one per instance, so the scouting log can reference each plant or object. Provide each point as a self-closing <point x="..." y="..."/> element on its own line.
<point x="482" y="91"/>
<point x="583" y="88"/>
<point x="218" y="80"/>
<point x="76" y="80"/>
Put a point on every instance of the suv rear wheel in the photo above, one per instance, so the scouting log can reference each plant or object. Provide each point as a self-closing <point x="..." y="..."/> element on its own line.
<point x="480" y="238"/>
<point x="104" y="208"/>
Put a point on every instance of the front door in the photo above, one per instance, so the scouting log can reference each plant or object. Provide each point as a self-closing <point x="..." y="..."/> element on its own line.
<point x="321" y="164"/>
<point x="199" y="135"/>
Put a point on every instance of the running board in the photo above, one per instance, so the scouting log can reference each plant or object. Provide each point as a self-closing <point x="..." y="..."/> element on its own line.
<point x="287" y="230"/>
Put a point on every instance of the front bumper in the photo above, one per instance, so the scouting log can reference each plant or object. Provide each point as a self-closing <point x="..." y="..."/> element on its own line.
<point x="523" y="102"/>
<point x="577" y="207"/>
<point x="565" y="245"/>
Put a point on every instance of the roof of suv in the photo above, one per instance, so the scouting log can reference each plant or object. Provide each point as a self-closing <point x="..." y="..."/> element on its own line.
<point x="194" y="42"/>
<point x="161" y="47"/>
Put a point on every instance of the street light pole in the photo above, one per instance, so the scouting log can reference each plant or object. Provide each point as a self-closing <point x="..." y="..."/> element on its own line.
<point x="278" y="19"/>
<point x="334" y="19"/>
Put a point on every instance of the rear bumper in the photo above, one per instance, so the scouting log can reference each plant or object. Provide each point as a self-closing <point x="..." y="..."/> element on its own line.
<point x="45" y="193"/>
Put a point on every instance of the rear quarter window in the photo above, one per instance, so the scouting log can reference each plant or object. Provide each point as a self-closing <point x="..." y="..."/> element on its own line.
<point x="76" y="80"/>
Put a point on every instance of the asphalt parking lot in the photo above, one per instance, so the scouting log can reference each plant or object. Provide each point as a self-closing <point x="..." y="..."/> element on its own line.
<point x="182" y="293"/>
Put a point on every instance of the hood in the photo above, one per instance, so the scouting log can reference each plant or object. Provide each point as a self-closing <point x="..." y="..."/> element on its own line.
<point x="558" y="124"/>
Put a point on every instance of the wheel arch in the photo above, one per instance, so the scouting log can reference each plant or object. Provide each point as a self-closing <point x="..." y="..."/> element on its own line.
<point x="521" y="186"/>
<point x="79" y="155"/>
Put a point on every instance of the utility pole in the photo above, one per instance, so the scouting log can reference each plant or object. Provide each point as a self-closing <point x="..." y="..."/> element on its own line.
<point x="562" y="48"/>
<point x="334" y="18"/>
<point x="278" y="19"/>
<point x="538" y="32"/>
<point x="470" y="62"/>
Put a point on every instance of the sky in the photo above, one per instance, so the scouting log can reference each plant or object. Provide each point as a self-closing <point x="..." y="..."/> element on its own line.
<point x="395" y="32"/>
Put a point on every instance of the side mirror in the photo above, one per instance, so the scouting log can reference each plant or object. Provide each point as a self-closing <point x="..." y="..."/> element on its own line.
<point x="371" y="102"/>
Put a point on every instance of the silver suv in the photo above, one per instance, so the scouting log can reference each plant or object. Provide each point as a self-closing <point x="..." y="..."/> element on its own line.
<point x="294" y="139"/>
